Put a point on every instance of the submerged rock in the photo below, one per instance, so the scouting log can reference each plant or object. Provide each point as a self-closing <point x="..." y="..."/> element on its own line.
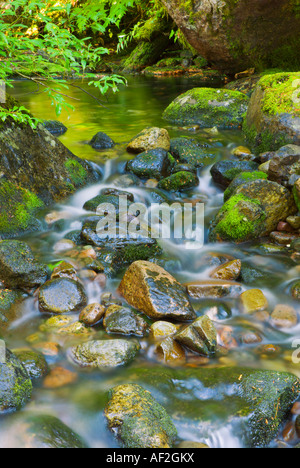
<point x="55" y="127"/>
<point x="33" y="430"/>
<point x="62" y="295"/>
<point x="208" y="108"/>
<point x="150" y="139"/>
<point x="34" y="362"/>
<point x="138" y="420"/>
<point x="101" y="141"/>
<point x="104" y="354"/>
<point x="15" y="384"/>
<point x="150" y="289"/>
<point x="18" y="266"/>
<point x="253" y="301"/>
<point x="252" y="404"/>
<point x="10" y="307"/>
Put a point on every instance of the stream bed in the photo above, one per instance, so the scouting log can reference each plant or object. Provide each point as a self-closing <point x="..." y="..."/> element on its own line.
<point x="80" y="404"/>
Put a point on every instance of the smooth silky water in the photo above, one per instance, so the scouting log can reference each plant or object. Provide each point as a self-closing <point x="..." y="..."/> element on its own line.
<point x="122" y="116"/>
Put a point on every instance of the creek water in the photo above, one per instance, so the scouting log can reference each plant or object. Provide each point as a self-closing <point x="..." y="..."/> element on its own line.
<point x="125" y="114"/>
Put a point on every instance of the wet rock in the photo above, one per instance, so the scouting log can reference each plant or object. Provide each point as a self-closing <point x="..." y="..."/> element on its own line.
<point x="241" y="179"/>
<point x="257" y="401"/>
<point x="34" y="362"/>
<point x="214" y="289"/>
<point x="117" y="193"/>
<point x="149" y="139"/>
<point x="224" y="172"/>
<point x="59" y="377"/>
<point x="294" y="222"/>
<point x="253" y="300"/>
<point x="104" y="354"/>
<point x="152" y="290"/>
<point x="296" y="192"/>
<point x="229" y="271"/>
<point x="271" y="120"/>
<point x="62" y="295"/>
<point x="296" y="290"/>
<point x="170" y="352"/>
<point x="252" y="275"/>
<point x="179" y="182"/>
<point x="284" y="164"/>
<point x="124" y="321"/>
<point x="63" y="245"/>
<point x="153" y="164"/>
<point x="200" y="336"/>
<point x="64" y="270"/>
<point x="160" y="330"/>
<point x="92" y="205"/>
<point x="92" y="314"/>
<point x="55" y="127"/>
<point x="107" y="299"/>
<point x="283" y="238"/>
<point x="208" y="108"/>
<point x="101" y="141"/>
<point x="284" y="316"/>
<point x="65" y="325"/>
<point x="191" y="152"/>
<point x="18" y="266"/>
<point x="34" y="430"/>
<point x="138" y="420"/>
<point x="15" y="384"/>
<point x="10" y="307"/>
<point x="254" y="211"/>
<point x="127" y="181"/>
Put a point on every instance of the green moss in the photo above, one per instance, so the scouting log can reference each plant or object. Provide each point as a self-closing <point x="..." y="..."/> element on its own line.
<point x="76" y="172"/>
<point x="264" y="141"/>
<point x="179" y="181"/>
<point x="297" y="198"/>
<point x="17" y="207"/>
<point x="280" y="92"/>
<point x="234" y="225"/>
<point x="240" y="179"/>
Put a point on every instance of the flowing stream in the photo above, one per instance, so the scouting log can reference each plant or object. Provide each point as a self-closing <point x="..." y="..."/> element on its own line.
<point x="124" y="115"/>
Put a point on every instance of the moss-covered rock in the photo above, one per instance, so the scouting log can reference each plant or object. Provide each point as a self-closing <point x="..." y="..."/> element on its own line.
<point x="104" y="354"/>
<point x="55" y="127"/>
<point x="145" y="54"/>
<point x="153" y="164"/>
<point x="62" y="295"/>
<point x="10" y="306"/>
<point x="15" y="384"/>
<point x="179" y="182"/>
<point x="208" y="108"/>
<point x="124" y="321"/>
<point x="273" y="117"/>
<point x="254" y="211"/>
<point x="101" y="141"/>
<point x="150" y="289"/>
<point x="34" y="362"/>
<point x="34" y="430"/>
<point x="18" y="266"/>
<point x="191" y="152"/>
<point x="240" y="180"/>
<point x="224" y="172"/>
<point x="138" y="420"/>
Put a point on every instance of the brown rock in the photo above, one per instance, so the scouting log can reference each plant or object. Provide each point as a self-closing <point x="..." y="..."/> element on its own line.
<point x="92" y="314"/>
<point x="253" y="300"/>
<point x="59" y="377"/>
<point x="214" y="289"/>
<point x="284" y="316"/>
<point x="230" y="271"/>
<point x="149" y="139"/>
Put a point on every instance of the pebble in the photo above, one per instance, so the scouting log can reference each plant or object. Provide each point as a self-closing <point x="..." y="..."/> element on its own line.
<point x="284" y="316"/>
<point x="59" y="377"/>
<point x="92" y="314"/>
<point x="253" y="300"/>
<point x="161" y="329"/>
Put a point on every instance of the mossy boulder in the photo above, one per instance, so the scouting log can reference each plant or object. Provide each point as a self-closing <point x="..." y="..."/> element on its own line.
<point x="153" y="164"/>
<point x="237" y="35"/>
<point x="19" y="209"/>
<point x="138" y="420"/>
<point x="35" y="430"/>
<point x="34" y="362"/>
<point x="254" y="211"/>
<point x="179" y="182"/>
<point x="15" y="384"/>
<point x="252" y="403"/>
<point x="224" y="172"/>
<point x="273" y="117"/>
<point x="242" y="179"/>
<point x="208" y="107"/>
<point x="104" y="354"/>
<point x="62" y="295"/>
<point x="19" y="267"/>
<point x="150" y="289"/>
<point x="146" y="53"/>
<point x="186" y="150"/>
